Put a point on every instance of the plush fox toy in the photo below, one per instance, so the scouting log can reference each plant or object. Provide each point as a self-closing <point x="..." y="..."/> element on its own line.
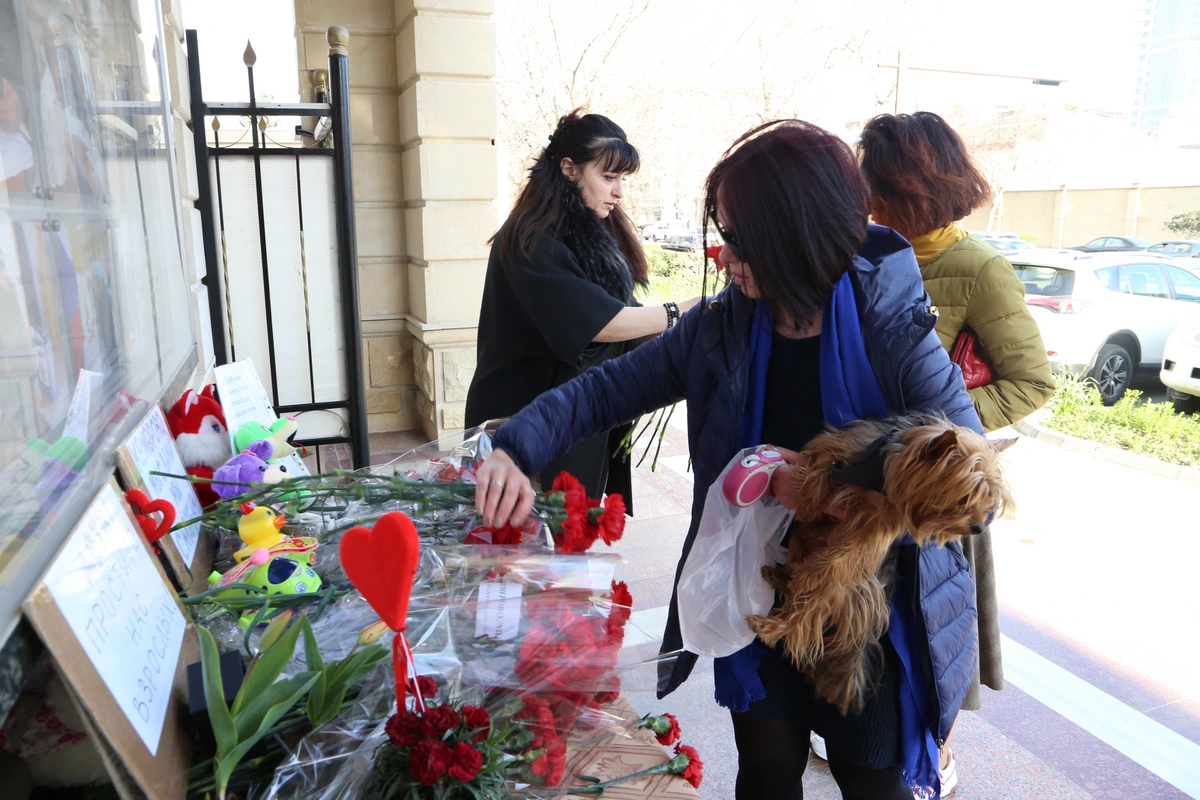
<point x="198" y="425"/>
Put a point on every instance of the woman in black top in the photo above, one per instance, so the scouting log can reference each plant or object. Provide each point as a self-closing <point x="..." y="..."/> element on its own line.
<point x="558" y="296"/>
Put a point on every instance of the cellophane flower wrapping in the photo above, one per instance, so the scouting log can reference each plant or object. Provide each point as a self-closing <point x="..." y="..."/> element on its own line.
<point x="535" y="638"/>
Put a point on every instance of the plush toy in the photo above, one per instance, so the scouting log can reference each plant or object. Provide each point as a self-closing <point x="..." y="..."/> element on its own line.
<point x="281" y="435"/>
<point x="68" y="450"/>
<point x="198" y="425"/>
<point x="249" y="467"/>
<point x="258" y="528"/>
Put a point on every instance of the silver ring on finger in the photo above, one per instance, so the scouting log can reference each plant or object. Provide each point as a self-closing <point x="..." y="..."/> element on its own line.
<point x="499" y="484"/>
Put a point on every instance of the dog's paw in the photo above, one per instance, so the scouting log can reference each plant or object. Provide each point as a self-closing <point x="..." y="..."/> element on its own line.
<point x="776" y="576"/>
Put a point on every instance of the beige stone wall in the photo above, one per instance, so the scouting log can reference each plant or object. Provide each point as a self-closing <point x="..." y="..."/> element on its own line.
<point x="1085" y="214"/>
<point x="423" y="132"/>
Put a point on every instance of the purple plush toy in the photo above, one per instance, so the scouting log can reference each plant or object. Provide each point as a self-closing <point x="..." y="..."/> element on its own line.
<point x="247" y="468"/>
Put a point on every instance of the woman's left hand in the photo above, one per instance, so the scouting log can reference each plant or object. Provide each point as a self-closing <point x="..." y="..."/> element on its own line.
<point x="503" y="494"/>
<point x="783" y="484"/>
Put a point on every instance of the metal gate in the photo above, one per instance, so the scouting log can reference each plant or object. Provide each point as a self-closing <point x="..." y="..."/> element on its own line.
<point x="280" y="253"/>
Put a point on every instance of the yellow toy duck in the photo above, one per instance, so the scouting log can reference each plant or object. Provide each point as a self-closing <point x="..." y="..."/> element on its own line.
<point x="258" y="529"/>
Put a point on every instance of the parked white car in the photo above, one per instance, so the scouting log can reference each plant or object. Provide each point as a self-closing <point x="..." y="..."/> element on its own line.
<point x="1106" y="316"/>
<point x="1181" y="365"/>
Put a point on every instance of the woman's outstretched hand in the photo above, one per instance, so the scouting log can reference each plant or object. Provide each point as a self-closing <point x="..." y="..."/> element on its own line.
<point x="503" y="494"/>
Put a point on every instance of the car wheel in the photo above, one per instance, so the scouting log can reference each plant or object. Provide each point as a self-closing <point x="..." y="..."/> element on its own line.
<point x="1112" y="373"/>
<point x="1184" y="403"/>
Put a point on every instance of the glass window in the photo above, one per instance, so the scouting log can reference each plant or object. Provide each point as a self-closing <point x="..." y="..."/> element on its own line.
<point x="94" y="300"/>
<point x="1114" y="279"/>
<point x="1187" y="284"/>
<point x="1146" y="280"/>
<point x="1045" y="281"/>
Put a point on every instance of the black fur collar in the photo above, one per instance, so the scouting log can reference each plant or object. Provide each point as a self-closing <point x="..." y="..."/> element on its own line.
<point x="595" y="248"/>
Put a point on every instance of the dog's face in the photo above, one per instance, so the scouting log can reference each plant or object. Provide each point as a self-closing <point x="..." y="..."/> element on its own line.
<point x="947" y="482"/>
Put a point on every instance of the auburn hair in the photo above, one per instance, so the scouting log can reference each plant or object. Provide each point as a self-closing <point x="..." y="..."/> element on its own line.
<point x="540" y="206"/>
<point x="920" y="174"/>
<point x="793" y="206"/>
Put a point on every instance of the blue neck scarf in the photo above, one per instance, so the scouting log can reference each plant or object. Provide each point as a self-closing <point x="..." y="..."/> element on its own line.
<point x="849" y="391"/>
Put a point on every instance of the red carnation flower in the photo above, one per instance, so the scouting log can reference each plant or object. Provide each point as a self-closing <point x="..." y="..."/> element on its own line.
<point x="465" y="762"/>
<point x="404" y="729"/>
<point x="425" y="684"/>
<point x="604" y="698"/>
<point x="477" y="719"/>
<point x="688" y="764"/>
<point x="618" y="615"/>
<point x="610" y="518"/>
<point x="576" y="534"/>
<point x="664" y="727"/>
<point x="438" y="720"/>
<point x="551" y="763"/>
<point x="429" y="761"/>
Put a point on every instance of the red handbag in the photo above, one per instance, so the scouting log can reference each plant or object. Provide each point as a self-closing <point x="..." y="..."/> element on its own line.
<point x="972" y="359"/>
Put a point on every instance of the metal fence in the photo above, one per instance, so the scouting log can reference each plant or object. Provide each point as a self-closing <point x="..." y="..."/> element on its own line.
<point x="280" y="252"/>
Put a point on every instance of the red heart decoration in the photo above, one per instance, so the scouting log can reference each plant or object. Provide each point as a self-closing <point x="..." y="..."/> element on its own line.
<point x="382" y="563"/>
<point x="143" y="507"/>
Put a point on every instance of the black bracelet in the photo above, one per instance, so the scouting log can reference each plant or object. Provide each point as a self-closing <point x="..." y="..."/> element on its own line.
<point x="672" y="313"/>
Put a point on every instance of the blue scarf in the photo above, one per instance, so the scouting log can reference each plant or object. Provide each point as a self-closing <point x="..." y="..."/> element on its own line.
<point x="849" y="391"/>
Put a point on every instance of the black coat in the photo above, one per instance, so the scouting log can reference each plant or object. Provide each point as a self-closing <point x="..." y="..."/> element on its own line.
<point x="536" y="326"/>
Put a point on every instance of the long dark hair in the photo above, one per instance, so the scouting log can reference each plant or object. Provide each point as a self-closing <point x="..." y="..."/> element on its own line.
<point x="544" y="198"/>
<point x="920" y="174"/>
<point x="795" y="206"/>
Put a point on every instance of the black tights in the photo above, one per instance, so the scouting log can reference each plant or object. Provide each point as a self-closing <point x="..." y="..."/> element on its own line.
<point x="772" y="755"/>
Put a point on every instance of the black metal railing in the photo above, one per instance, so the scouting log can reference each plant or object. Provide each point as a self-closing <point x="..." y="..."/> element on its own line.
<point x="221" y="268"/>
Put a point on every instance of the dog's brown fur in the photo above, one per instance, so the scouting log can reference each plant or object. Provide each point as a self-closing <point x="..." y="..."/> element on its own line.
<point x="939" y="481"/>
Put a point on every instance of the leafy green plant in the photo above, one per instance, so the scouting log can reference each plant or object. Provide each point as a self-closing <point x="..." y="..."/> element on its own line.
<point x="1142" y="426"/>
<point x="260" y="702"/>
<point x="336" y="677"/>
<point x="1186" y="225"/>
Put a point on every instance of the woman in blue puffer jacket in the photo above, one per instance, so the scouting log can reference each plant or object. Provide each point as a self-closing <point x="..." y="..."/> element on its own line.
<point x="826" y="321"/>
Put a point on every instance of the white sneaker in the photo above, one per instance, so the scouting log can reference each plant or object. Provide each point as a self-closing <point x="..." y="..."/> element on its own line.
<point x="949" y="774"/>
<point x="818" y="746"/>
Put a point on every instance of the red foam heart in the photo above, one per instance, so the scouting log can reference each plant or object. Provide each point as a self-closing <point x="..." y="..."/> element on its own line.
<point x="382" y="563"/>
<point x="143" y="507"/>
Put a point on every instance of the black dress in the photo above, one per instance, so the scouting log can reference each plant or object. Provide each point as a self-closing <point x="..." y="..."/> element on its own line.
<point x="536" y="326"/>
<point x="792" y="415"/>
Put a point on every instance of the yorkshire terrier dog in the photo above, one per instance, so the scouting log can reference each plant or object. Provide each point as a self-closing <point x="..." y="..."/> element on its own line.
<point x="928" y="478"/>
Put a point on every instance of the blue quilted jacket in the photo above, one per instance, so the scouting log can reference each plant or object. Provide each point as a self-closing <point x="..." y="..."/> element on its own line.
<point x="704" y="360"/>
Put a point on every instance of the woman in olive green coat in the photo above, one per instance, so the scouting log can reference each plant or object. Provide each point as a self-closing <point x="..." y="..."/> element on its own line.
<point x="922" y="181"/>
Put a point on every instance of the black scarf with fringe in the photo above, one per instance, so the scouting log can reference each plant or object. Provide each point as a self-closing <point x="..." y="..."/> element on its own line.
<point x="595" y="248"/>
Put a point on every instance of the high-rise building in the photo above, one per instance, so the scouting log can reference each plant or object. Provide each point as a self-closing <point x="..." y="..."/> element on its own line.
<point x="1168" y="80"/>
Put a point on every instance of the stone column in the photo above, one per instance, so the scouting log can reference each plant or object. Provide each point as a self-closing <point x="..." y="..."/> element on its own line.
<point x="378" y="193"/>
<point x="446" y="59"/>
<point x="1060" y="216"/>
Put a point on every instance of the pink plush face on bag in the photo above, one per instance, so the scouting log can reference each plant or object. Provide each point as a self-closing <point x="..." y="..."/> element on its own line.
<point x="750" y="479"/>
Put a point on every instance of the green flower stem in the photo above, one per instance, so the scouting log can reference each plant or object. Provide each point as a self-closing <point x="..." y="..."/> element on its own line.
<point x="597" y="788"/>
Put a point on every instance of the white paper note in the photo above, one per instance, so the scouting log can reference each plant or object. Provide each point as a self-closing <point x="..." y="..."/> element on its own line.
<point x="84" y="411"/>
<point x="499" y="610"/>
<point x="154" y="450"/>
<point x="245" y="399"/>
<point x="119" y="608"/>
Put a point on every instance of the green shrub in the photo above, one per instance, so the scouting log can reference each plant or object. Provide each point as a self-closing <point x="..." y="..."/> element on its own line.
<point x="674" y="276"/>
<point x="1186" y="224"/>
<point x="1146" y="427"/>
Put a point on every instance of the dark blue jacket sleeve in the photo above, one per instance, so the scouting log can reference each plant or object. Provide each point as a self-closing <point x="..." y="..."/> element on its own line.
<point x="931" y="381"/>
<point x="647" y="378"/>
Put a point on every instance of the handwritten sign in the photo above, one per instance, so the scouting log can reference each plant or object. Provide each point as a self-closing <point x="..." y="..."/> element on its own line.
<point x="153" y="450"/>
<point x="498" y="614"/>
<point x="244" y="399"/>
<point x="124" y="616"/>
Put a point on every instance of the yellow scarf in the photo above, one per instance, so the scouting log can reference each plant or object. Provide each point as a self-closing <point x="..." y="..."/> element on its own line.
<point x="930" y="245"/>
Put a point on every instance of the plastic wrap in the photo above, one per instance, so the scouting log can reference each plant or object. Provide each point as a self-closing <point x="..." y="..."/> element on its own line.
<point x="721" y="581"/>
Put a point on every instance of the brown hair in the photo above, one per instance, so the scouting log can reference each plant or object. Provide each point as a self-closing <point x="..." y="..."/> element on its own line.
<point x="795" y="206"/>
<point x="920" y="174"/>
<point x="542" y="203"/>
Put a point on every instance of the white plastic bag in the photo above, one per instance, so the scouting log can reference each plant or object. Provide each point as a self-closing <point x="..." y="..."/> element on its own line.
<point x="722" y="580"/>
